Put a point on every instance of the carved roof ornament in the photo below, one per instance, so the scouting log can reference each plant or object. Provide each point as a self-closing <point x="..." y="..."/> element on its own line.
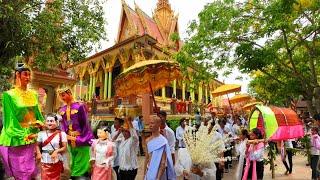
<point x="163" y="4"/>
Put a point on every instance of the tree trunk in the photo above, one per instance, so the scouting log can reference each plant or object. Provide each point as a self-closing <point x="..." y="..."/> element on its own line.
<point x="317" y="99"/>
<point x="311" y="108"/>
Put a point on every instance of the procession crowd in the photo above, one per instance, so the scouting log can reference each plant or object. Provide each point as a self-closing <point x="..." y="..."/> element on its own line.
<point x="28" y="141"/>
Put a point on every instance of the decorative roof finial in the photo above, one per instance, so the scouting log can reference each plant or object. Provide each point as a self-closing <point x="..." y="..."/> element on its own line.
<point x="163" y="4"/>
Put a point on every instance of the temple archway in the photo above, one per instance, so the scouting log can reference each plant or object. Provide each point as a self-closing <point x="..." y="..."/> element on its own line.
<point x="117" y="69"/>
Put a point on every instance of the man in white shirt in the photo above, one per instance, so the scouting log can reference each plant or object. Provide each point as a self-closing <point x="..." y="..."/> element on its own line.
<point x="214" y="117"/>
<point x="128" y="147"/>
<point x="117" y="140"/>
<point x="216" y="136"/>
<point x="168" y="133"/>
<point x="180" y="133"/>
<point x="138" y="125"/>
<point x="224" y="130"/>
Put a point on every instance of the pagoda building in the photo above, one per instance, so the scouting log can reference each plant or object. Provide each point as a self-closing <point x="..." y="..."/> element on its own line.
<point x="140" y="37"/>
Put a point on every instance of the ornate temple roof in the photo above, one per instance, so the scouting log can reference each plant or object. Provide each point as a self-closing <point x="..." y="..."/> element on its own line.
<point x="137" y="22"/>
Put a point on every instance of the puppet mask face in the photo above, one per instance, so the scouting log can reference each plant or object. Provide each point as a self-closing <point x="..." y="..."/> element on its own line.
<point x="66" y="97"/>
<point x="102" y="135"/>
<point x="51" y="123"/>
<point x="23" y="78"/>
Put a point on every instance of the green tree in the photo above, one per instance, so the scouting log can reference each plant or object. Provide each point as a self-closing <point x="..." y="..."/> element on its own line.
<point x="47" y="33"/>
<point x="279" y="38"/>
<point x="274" y="92"/>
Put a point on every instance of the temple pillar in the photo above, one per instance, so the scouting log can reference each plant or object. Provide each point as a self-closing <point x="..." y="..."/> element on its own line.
<point x="89" y="88"/>
<point x="94" y="85"/>
<point x="175" y="87"/>
<point x="105" y="88"/>
<point x="183" y="91"/>
<point x="75" y="91"/>
<point x="192" y="94"/>
<point x="206" y="94"/>
<point x="80" y="88"/>
<point x="146" y="108"/>
<point x="110" y="84"/>
<point x="200" y="93"/>
<point x="163" y="93"/>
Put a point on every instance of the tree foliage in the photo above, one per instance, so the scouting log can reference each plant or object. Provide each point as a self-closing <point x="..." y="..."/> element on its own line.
<point x="48" y="32"/>
<point x="278" y="38"/>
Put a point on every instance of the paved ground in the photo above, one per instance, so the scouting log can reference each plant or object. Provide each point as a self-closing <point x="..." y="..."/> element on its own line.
<point x="300" y="170"/>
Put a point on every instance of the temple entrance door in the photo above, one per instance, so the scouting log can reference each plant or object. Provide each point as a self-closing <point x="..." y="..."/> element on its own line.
<point x="97" y="92"/>
<point x="50" y="99"/>
<point x="117" y="69"/>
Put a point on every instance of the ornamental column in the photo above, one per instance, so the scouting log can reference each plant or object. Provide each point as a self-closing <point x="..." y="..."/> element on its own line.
<point x="183" y="91"/>
<point x="163" y="93"/>
<point x="89" y="88"/>
<point x="175" y="87"/>
<point x="105" y="88"/>
<point x="80" y="88"/>
<point x="109" y="84"/>
<point x="75" y="91"/>
<point x="192" y="92"/>
<point x="200" y="95"/>
<point x="206" y="94"/>
<point x="93" y="90"/>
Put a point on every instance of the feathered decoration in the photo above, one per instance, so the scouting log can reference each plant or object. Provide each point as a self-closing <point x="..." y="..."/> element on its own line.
<point x="202" y="149"/>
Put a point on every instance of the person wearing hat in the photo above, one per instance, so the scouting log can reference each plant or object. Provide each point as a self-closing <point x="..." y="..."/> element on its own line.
<point x="22" y="121"/>
<point x="79" y="134"/>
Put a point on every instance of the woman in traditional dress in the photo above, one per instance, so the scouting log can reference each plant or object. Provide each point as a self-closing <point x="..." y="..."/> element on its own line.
<point x="241" y="151"/>
<point x="254" y="167"/>
<point x="52" y="143"/>
<point x="21" y="122"/>
<point x="102" y="153"/>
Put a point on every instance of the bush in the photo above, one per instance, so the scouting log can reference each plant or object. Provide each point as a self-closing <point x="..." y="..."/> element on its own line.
<point x="173" y="124"/>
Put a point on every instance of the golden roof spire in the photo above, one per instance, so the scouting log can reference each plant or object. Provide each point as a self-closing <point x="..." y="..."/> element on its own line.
<point x="163" y="4"/>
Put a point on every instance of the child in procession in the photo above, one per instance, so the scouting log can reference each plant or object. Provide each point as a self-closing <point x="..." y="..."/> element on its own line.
<point x="254" y="165"/>
<point x="102" y="154"/>
<point x="241" y="151"/>
<point x="52" y="143"/>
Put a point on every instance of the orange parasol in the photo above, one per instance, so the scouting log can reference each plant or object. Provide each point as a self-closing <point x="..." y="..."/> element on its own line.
<point x="226" y="89"/>
<point x="146" y="76"/>
<point x="250" y="105"/>
<point x="240" y="98"/>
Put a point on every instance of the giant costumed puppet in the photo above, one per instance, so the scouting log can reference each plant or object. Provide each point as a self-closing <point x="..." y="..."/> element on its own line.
<point x="21" y="123"/>
<point x="79" y="134"/>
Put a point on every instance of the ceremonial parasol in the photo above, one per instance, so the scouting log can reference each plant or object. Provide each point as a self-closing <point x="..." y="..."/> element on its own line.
<point x="240" y="98"/>
<point x="276" y="123"/>
<point x="145" y="77"/>
<point x="225" y="90"/>
<point x="250" y="105"/>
